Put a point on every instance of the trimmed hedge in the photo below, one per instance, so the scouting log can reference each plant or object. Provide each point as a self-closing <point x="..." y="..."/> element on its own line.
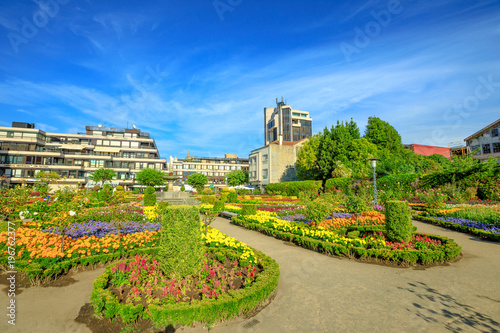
<point x="293" y="188"/>
<point x="449" y="250"/>
<point x="341" y="184"/>
<point x="394" y="182"/>
<point x="181" y="245"/>
<point x="398" y="221"/>
<point x="458" y="227"/>
<point x="248" y="209"/>
<point x="208" y="311"/>
<point x="149" y="196"/>
<point x="35" y="271"/>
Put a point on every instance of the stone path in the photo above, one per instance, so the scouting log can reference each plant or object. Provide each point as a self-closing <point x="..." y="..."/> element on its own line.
<point x="318" y="293"/>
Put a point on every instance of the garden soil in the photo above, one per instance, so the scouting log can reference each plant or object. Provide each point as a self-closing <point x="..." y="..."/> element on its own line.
<point x="316" y="293"/>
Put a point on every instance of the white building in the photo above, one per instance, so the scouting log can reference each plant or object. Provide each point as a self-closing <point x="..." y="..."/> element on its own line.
<point x="488" y="140"/>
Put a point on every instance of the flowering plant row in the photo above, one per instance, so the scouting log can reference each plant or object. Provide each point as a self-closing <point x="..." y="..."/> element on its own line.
<point x="422" y="249"/>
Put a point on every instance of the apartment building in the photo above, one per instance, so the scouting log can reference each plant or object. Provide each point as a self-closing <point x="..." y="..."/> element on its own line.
<point x="25" y="150"/>
<point x="487" y="140"/>
<point x="274" y="163"/>
<point x="292" y="125"/>
<point x="215" y="168"/>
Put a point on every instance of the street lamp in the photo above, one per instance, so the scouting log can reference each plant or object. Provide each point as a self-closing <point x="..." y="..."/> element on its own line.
<point x="374" y="166"/>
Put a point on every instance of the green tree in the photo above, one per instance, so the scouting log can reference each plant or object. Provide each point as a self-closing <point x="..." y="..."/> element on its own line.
<point x="383" y="135"/>
<point x="307" y="157"/>
<point x="44" y="179"/>
<point x="237" y="177"/>
<point x="150" y="177"/>
<point x="360" y="151"/>
<point x="103" y="175"/>
<point x="197" y="180"/>
<point x="317" y="158"/>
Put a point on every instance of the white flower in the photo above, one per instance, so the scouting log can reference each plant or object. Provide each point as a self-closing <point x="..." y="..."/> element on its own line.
<point x="72" y="213"/>
<point x="35" y="213"/>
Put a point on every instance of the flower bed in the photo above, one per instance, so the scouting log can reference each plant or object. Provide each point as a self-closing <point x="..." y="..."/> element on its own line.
<point x="38" y="253"/>
<point x="176" y="306"/>
<point x="483" y="230"/>
<point x="368" y="247"/>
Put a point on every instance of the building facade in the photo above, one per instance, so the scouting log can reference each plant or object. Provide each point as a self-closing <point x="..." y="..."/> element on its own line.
<point x="25" y="150"/>
<point x="274" y="163"/>
<point x="487" y="140"/>
<point x="429" y="150"/>
<point x="292" y="125"/>
<point x="215" y="168"/>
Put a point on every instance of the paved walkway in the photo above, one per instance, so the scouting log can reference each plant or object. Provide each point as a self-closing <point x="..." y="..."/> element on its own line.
<point x="318" y="293"/>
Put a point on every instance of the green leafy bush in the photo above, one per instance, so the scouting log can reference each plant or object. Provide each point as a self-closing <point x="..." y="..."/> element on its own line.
<point x="183" y="188"/>
<point x="149" y="190"/>
<point x="293" y="188"/>
<point x="398" y="224"/>
<point x="341" y="184"/>
<point x="208" y="199"/>
<point x="219" y="206"/>
<point x="149" y="196"/>
<point x="249" y="209"/>
<point x="232" y="197"/>
<point x="223" y="196"/>
<point x="162" y="205"/>
<point x="181" y="246"/>
<point x="404" y="182"/>
<point x="207" y="191"/>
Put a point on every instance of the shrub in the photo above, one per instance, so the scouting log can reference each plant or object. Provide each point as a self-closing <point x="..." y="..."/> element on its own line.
<point x="183" y="188"/>
<point x="96" y="188"/>
<point x="181" y="244"/>
<point x="232" y="190"/>
<point x="256" y="191"/>
<point x="162" y="205"/>
<point x="219" y="206"/>
<point x="223" y="197"/>
<point x="207" y="191"/>
<point x="398" y="224"/>
<point x="105" y="194"/>
<point x="249" y="209"/>
<point x="225" y="189"/>
<point x="341" y="184"/>
<point x="149" y="190"/>
<point x="149" y="196"/>
<point x="232" y="197"/>
<point x="293" y="188"/>
<point x="208" y="199"/>
<point x="356" y="205"/>
<point x="119" y="188"/>
<point x="405" y="182"/>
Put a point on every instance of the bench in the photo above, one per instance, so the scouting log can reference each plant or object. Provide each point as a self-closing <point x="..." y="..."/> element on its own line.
<point x="228" y="215"/>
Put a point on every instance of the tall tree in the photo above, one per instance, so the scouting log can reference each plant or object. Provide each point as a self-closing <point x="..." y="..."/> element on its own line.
<point x="237" y="177"/>
<point x="103" y="175"/>
<point x="197" y="180"/>
<point x="319" y="156"/>
<point x="382" y="134"/>
<point x="150" y="177"/>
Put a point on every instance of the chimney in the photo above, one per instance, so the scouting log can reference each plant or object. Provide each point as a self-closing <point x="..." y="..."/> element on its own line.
<point x="281" y="139"/>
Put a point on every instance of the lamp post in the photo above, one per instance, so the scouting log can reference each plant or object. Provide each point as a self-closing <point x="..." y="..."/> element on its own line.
<point x="374" y="166"/>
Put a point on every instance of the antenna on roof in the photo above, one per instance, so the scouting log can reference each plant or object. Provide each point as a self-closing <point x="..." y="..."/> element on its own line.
<point x="127" y="124"/>
<point x="133" y="126"/>
<point x="100" y="125"/>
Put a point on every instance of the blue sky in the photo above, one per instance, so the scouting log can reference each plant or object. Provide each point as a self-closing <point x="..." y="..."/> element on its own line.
<point x="197" y="74"/>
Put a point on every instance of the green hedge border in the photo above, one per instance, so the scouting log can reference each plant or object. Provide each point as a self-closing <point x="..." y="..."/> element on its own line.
<point x="36" y="271"/>
<point x="462" y="228"/>
<point x="449" y="251"/>
<point x="209" y="311"/>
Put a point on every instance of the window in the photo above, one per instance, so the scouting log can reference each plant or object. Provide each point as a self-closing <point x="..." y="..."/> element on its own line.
<point x="494" y="132"/>
<point x="472" y="148"/>
<point x="486" y="149"/>
<point x="496" y="147"/>
<point x="264" y="158"/>
<point x="115" y="143"/>
<point x="264" y="173"/>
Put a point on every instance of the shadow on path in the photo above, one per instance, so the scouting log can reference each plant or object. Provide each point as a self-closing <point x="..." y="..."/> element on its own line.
<point x="438" y="307"/>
